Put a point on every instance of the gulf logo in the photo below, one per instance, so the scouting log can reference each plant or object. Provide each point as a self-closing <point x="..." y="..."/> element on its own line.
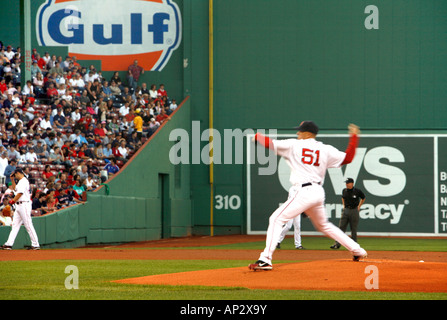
<point x="114" y="31"/>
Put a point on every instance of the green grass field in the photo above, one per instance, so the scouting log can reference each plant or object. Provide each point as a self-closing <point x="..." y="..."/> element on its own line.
<point x="45" y="280"/>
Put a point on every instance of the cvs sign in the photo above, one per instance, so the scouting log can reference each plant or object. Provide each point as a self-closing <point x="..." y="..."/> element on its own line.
<point x="114" y="31"/>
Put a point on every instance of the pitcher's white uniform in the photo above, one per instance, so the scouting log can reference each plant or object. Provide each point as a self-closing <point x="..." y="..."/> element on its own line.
<point x="23" y="214"/>
<point x="308" y="159"/>
<point x="296" y="223"/>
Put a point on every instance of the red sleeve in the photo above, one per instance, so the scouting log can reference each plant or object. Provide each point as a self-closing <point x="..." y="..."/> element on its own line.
<point x="263" y="140"/>
<point x="350" y="150"/>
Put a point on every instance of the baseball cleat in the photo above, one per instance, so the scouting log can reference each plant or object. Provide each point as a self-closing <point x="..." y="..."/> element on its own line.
<point x="5" y="247"/>
<point x="33" y="248"/>
<point x="357" y="258"/>
<point x="300" y="248"/>
<point x="335" y="246"/>
<point x="260" y="265"/>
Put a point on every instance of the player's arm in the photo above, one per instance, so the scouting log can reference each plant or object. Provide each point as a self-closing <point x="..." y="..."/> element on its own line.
<point x="354" y="132"/>
<point x="15" y="199"/>
<point x="263" y="140"/>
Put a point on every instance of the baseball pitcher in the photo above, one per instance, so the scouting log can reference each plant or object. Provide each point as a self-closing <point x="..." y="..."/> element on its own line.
<point x="309" y="160"/>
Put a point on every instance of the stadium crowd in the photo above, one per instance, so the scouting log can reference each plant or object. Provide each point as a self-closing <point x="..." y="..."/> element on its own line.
<point x="69" y="127"/>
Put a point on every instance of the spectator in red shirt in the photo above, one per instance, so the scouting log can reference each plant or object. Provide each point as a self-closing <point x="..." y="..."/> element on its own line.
<point x="133" y="74"/>
<point x="52" y="92"/>
<point x="41" y="63"/>
<point x="34" y="55"/>
<point x="72" y="153"/>
<point x="161" y="91"/>
<point x="117" y="154"/>
<point x="162" y="116"/>
<point x="100" y="130"/>
<point x="47" y="172"/>
<point x="23" y="141"/>
<point x="86" y="120"/>
<point x="3" y="86"/>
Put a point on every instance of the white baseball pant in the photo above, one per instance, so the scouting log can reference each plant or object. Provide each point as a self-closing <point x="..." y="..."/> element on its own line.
<point x="309" y="199"/>
<point x="22" y="215"/>
<point x="296" y="223"/>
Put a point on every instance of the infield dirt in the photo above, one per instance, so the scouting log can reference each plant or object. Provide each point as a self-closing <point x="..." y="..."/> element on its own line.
<point x="314" y="269"/>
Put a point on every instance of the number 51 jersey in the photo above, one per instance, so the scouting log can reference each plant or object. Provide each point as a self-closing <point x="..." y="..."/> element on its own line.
<point x="308" y="159"/>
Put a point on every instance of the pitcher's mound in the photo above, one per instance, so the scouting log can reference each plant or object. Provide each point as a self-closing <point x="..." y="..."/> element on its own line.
<point x="332" y="275"/>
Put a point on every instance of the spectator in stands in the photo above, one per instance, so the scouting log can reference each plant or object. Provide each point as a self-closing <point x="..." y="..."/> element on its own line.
<point x="55" y="156"/>
<point x="52" y="62"/>
<point x="60" y="121"/>
<point x="153" y="93"/>
<point x="35" y="69"/>
<point x="138" y="123"/>
<point x="162" y="117"/>
<point x="91" y="168"/>
<point x="41" y="151"/>
<point x="76" y="115"/>
<point x="85" y="121"/>
<point x="9" y="53"/>
<point x="83" y="174"/>
<point x="107" y="92"/>
<point x="66" y="64"/>
<point x="3" y="162"/>
<point x="114" y="125"/>
<point x="77" y="83"/>
<point x="45" y="123"/>
<point x="134" y="72"/>
<point x="38" y="84"/>
<point x="13" y="154"/>
<point x="84" y="152"/>
<point x="173" y="106"/>
<point x="161" y="92"/>
<point x="111" y="167"/>
<point x="66" y="199"/>
<point x="31" y="156"/>
<point x="57" y="70"/>
<point x="114" y="89"/>
<point x="79" y="187"/>
<point x="6" y="212"/>
<point x="108" y="152"/>
<point x="99" y="152"/>
<point x="22" y="157"/>
<point x="10" y="168"/>
<point x="23" y="141"/>
<point x="39" y="203"/>
<point x="51" y="201"/>
<point x="52" y="93"/>
<point x="123" y="150"/>
<point x="47" y="172"/>
<point x="90" y="183"/>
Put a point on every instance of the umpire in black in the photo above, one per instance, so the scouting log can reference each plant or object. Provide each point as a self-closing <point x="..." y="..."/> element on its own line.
<point x="352" y="199"/>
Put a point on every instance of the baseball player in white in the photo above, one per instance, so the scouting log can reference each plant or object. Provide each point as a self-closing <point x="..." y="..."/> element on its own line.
<point x="309" y="160"/>
<point x="22" y="215"/>
<point x="296" y="223"/>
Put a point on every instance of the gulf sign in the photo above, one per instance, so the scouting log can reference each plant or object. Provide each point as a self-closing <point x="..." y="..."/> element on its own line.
<point x="114" y="31"/>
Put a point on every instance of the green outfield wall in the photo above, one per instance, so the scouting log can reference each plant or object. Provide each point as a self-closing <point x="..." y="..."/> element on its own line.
<point x="381" y="65"/>
<point x="270" y="65"/>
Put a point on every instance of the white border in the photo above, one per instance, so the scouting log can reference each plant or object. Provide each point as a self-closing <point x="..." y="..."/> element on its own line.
<point x="384" y="234"/>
